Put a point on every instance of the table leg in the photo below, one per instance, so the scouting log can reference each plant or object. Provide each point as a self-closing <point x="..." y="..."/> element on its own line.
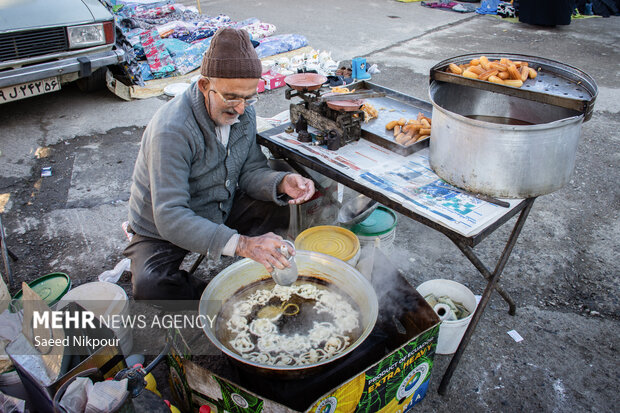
<point x="486" y="295"/>
<point x="473" y="258"/>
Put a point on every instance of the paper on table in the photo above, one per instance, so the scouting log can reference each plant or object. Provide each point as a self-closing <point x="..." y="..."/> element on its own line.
<point x="408" y="180"/>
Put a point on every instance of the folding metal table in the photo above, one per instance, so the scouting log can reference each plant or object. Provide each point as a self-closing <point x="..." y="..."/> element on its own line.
<point x="465" y="244"/>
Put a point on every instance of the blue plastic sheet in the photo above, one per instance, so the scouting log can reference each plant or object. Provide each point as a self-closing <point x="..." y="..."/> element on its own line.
<point x="488" y="7"/>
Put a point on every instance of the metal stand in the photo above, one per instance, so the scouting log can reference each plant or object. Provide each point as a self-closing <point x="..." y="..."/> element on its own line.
<point x="486" y="295"/>
<point x="465" y="244"/>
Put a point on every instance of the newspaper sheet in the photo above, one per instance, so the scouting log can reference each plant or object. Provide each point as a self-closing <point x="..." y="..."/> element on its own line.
<point x="408" y="180"/>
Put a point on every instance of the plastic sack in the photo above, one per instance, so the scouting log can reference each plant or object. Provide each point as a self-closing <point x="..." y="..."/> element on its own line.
<point x="488" y="7"/>
<point x="106" y="396"/>
<point x="112" y="276"/>
<point x="374" y="69"/>
<point x="76" y="396"/>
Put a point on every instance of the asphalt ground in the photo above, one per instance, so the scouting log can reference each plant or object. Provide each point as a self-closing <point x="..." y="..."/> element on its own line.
<point x="562" y="273"/>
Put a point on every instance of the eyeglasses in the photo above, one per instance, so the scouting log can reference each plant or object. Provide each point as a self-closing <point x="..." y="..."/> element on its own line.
<point x="231" y="103"/>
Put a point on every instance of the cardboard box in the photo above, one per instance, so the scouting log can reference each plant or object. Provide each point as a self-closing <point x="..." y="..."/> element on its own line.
<point x="273" y="81"/>
<point x="389" y="372"/>
<point x="261" y="86"/>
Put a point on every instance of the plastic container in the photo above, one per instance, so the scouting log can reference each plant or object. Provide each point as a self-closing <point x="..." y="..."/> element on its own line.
<point x="51" y="288"/>
<point x="331" y="240"/>
<point x="450" y="332"/>
<point x="103" y="299"/>
<point x="11" y="384"/>
<point x="381" y="223"/>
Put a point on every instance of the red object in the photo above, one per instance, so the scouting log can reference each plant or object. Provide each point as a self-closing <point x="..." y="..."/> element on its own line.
<point x="167" y="403"/>
<point x="273" y="81"/>
<point x="304" y="82"/>
<point x="204" y="409"/>
<point x="108" y="31"/>
<point x="261" y="86"/>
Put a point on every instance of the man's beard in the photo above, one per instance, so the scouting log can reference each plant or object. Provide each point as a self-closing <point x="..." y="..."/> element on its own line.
<point x="230" y="121"/>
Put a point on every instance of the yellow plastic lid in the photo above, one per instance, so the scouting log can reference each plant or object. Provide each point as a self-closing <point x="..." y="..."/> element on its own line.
<point x="331" y="240"/>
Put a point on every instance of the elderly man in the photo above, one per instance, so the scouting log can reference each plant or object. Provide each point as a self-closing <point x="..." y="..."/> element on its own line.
<point x="201" y="179"/>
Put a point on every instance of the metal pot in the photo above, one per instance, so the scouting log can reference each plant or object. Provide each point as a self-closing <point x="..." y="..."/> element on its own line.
<point x="531" y="153"/>
<point x="316" y="265"/>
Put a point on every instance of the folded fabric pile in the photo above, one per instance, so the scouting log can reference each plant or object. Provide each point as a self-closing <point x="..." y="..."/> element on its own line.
<point x="163" y="38"/>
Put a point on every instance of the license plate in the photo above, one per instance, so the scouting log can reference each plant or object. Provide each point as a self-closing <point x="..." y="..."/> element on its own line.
<point x="26" y="90"/>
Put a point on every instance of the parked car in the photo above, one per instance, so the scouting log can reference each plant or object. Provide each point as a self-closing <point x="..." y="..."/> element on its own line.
<point x="45" y="44"/>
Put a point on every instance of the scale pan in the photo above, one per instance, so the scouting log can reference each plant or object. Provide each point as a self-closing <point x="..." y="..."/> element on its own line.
<point x="305" y="82"/>
<point x="347" y="105"/>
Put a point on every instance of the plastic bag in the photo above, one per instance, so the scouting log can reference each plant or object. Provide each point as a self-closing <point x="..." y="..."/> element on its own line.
<point x="488" y="7"/>
<point x="113" y="275"/>
<point x="76" y="396"/>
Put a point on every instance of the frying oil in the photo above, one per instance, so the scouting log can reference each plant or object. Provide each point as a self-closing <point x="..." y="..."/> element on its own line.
<point x="499" y="119"/>
<point x="298" y="323"/>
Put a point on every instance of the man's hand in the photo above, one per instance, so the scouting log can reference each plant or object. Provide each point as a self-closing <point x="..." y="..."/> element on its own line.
<point x="264" y="249"/>
<point x="300" y="189"/>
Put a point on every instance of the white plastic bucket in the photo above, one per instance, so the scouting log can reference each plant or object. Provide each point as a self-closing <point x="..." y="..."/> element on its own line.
<point x="103" y="299"/>
<point x="450" y="332"/>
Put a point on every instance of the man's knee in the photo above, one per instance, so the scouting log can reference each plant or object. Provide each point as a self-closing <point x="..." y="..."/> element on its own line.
<point x="173" y="285"/>
<point x="146" y="285"/>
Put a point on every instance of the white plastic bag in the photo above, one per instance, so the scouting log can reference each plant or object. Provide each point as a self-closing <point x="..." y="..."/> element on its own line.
<point x="112" y="276"/>
<point x="76" y="396"/>
<point x="374" y="69"/>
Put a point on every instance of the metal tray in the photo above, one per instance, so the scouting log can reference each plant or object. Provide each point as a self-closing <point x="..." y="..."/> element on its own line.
<point x="556" y="84"/>
<point x="392" y="106"/>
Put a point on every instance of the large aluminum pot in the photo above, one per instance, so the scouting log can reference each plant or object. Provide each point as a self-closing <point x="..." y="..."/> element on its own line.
<point x="309" y="263"/>
<point x="501" y="160"/>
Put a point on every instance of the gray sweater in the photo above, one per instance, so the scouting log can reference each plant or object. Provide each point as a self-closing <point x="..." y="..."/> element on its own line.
<point x="184" y="179"/>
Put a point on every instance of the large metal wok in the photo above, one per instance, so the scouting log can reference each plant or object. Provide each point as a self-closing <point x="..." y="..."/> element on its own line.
<point x="323" y="268"/>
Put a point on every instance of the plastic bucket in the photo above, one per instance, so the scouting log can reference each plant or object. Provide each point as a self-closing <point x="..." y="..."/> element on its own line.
<point x="103" y="299"/>
<point x="381" y="223"/>
<point x="450" y="331"/>
<point x="11" y="384"/>
<point x="51" y="288"/>
<point x="331" y="240"/>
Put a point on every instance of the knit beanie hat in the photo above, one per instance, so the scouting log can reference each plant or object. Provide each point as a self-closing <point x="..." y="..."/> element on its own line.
<point x="231" y="55"/>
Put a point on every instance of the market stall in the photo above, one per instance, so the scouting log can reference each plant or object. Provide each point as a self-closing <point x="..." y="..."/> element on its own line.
<point x="535" y="109"/>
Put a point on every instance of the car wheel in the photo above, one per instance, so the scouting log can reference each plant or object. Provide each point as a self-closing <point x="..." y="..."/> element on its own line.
<point x="95" y="81"/>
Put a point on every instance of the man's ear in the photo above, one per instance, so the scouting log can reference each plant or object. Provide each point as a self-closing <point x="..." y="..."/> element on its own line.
<point x="203" y="84"/>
